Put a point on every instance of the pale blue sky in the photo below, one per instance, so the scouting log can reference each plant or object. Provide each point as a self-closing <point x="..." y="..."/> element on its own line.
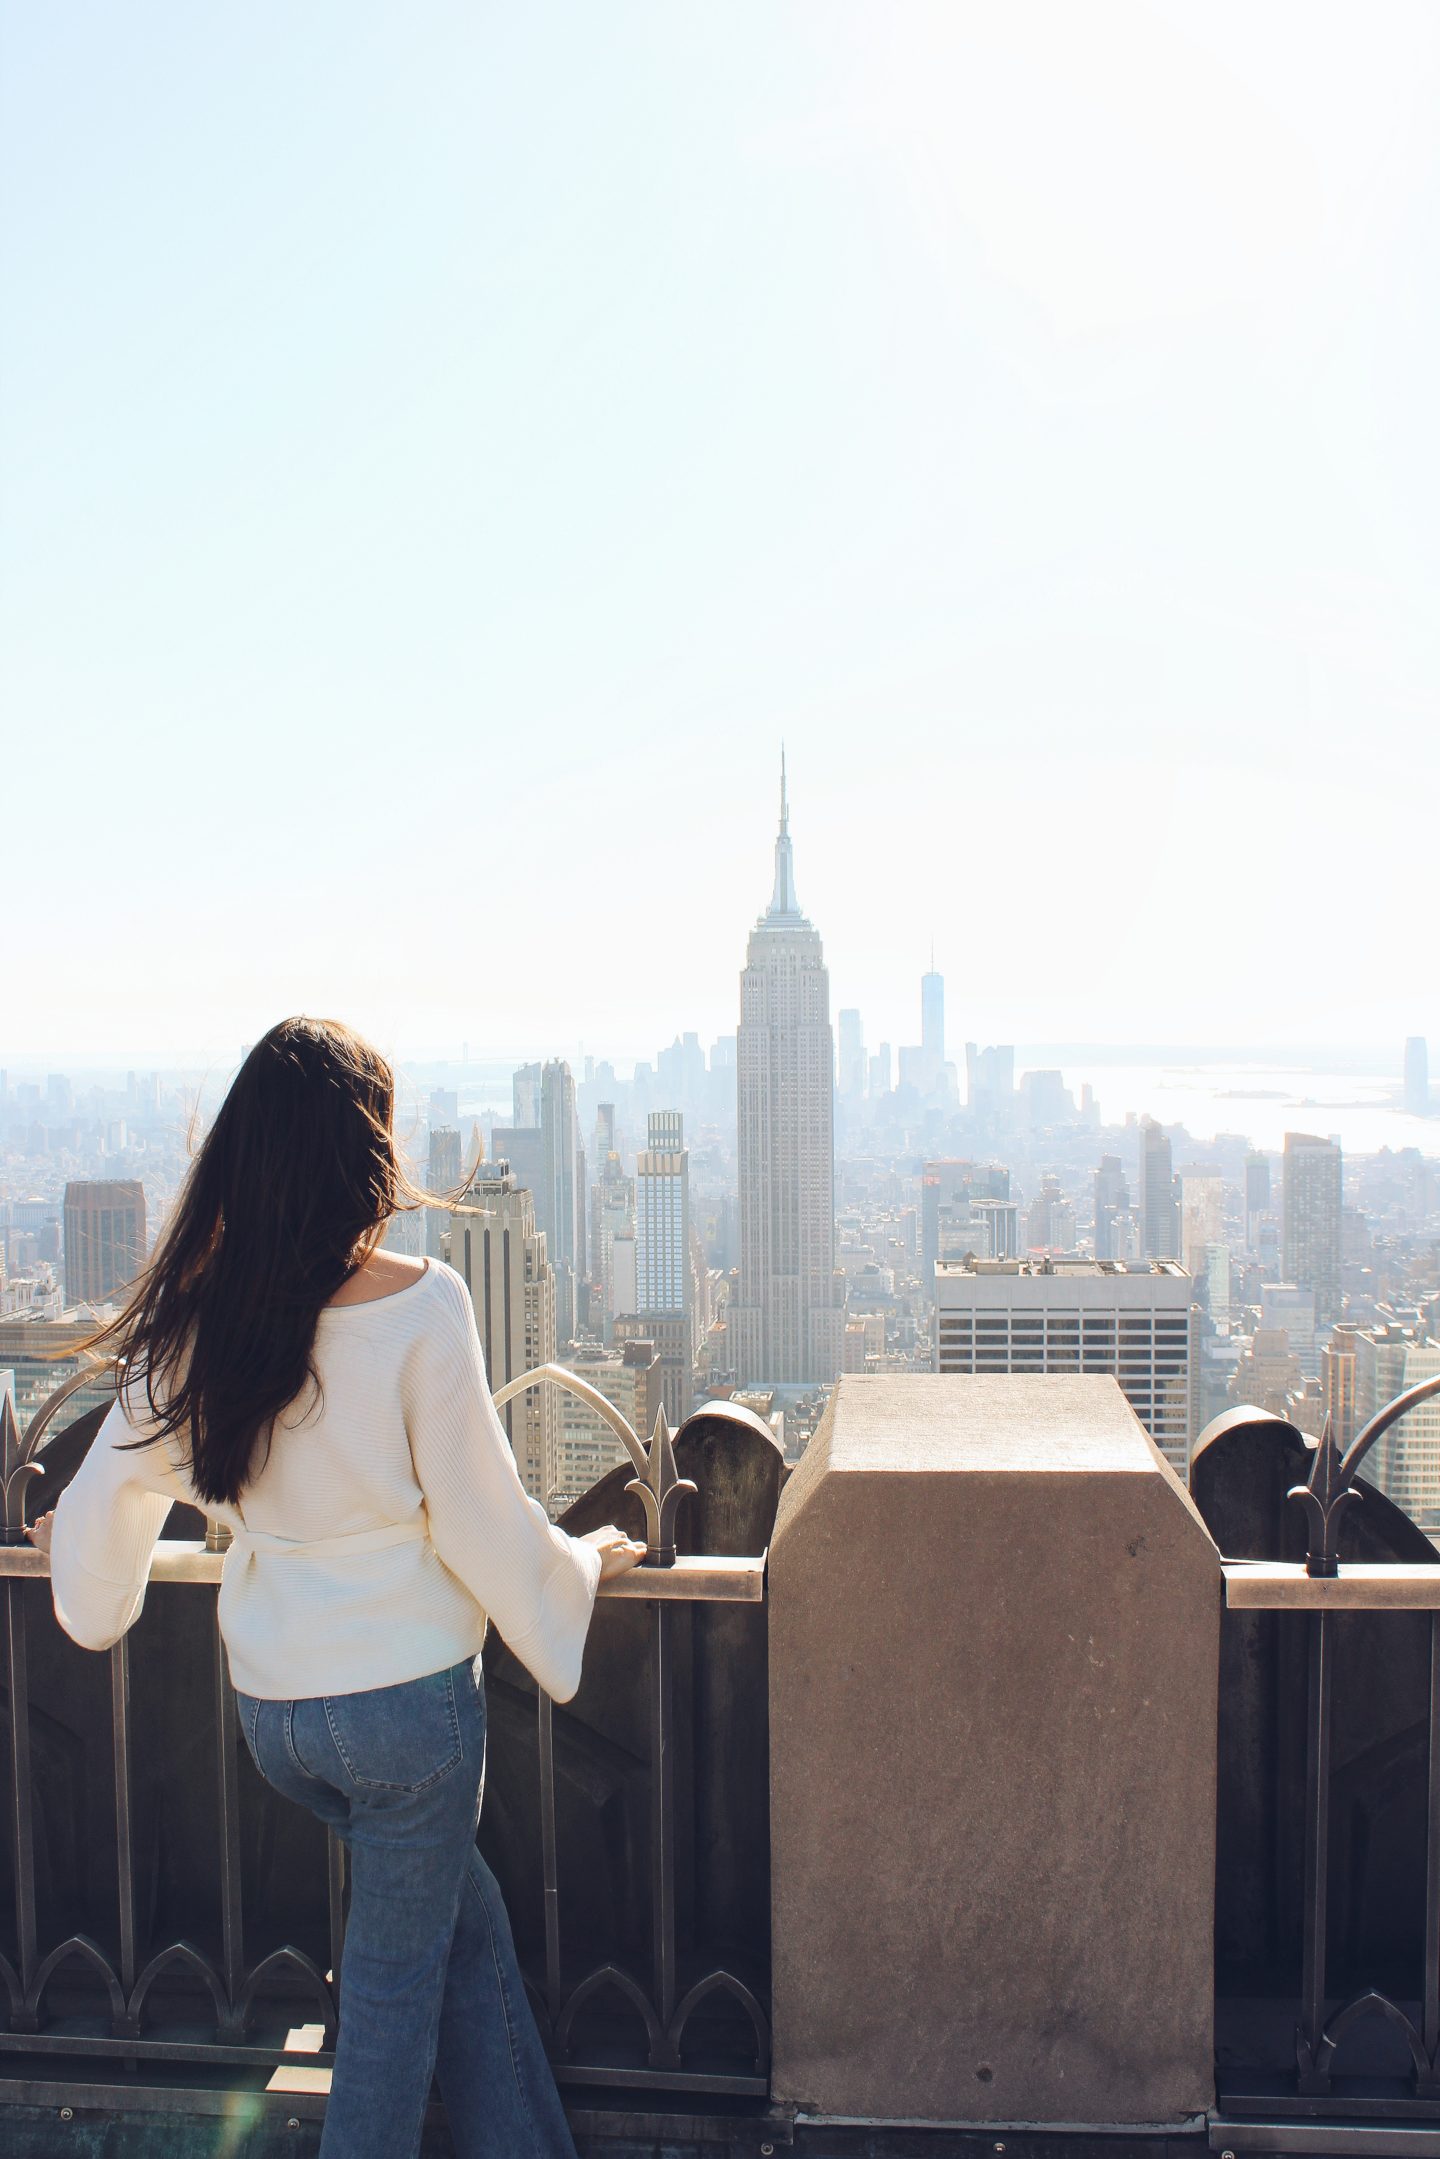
<point x="447" y="446"/>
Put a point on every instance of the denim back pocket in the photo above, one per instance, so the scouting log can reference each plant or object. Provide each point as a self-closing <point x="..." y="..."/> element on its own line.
<point x="397" y="1739"/>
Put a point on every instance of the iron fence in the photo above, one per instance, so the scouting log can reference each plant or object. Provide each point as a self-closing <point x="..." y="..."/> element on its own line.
<point x="177" y="1999"/>
<point x="1367" y="2048"/>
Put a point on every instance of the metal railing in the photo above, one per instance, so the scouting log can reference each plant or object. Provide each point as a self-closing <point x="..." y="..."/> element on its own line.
<point x="1323" y="1592"/>
<point x="280" y="2006"/>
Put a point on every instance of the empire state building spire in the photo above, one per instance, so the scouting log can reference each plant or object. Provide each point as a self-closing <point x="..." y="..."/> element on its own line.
<point x="782" y="900"/>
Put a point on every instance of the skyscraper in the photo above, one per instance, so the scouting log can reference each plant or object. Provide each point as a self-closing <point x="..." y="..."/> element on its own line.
<point x="104" y="1238"/>
<point x="1112" y="1198"/>
<point x="1417" y="1076"/>
<point x="1310" y="1232"/>
<point x="662" y="1216"/>
<point x="852" y="1056"/>
<point x="1257" y="1195"/>
<point x="612" y="1216"/>
<point x="787" y="1325"/>
<point x="1159" y="1214"/>
<point x="492" y="1240"/>
<point x="990" y="1078"/>
<point x="1389" y="1359"/>
<point x="1202" y="1217"/>
<point x="525" y="1097"/>
<point x="442" y="1177"/>
<point x="932" y="1028"/>
<point x="560" y="1195"/>
<point x="945" y="1195"/>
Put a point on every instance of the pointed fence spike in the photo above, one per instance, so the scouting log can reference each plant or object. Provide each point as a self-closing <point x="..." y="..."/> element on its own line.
<point x="660" y="1492"/>
<point x="1324" y="1493"/>
<point x="9" y="1435"/>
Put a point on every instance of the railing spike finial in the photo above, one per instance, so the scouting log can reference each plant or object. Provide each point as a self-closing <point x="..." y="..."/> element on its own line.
<point x="1323" y="1496"/>
<point x="660" y="1492"/>
<point x="14" y="1473"/>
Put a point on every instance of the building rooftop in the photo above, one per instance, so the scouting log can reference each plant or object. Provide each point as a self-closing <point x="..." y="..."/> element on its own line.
<point x="1068" y="1267"/>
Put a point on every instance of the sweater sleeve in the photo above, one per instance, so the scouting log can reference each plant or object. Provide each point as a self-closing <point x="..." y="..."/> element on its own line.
<point x="537" y="1584"/>
<point x="107" y="1522"/>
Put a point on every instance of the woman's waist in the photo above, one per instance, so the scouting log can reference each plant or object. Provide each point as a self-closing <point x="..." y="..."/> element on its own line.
<point x="250" y="1542"/>
<point x="284" y="1647"/>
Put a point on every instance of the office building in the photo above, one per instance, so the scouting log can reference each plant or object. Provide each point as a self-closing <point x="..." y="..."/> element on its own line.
<point x="672" y="1336"/>
<point x="1338" y="1361"/>
<point x="494" y="1242"/>
<point x="1405" y="1462"/>
<point x="1112" y="1199"/>
<point x="932" y="1025"/>
<point x="612" y="1216"/>
<point x="664" y="1287"/>
<point x="1215" y="1276"/>
<point x="1268" y="1375"/>
<point x="1046" y="1098"/>
<point x="952" y="1196"/>
<point x="1159" y="1213"/>
<point x="525" y="1097"/>
<point x="990" y="1078"/>
<point x="1050" y="1224"/>
<point x="585" y="1448"/>
<point x="1257" y="1197"/>
<point x="1077" y="1315"/>
<point x="444" y="1175"/>
<point x="1310" y="1228"/>
<point x="662" y="1215"/>
<point x="1417" y="1076"/>
<point x="42" y="1350"/>
<point x="560" y="1201"/>
<point x="1202" y="1216"/>
<point x="522" y="1147"/>
<point x="999" y="1221"/>
<point x="1284" y="1305"/>
<point x="444" y="1169"/>
<point x="852" y="1072"/>
<point x="944" y="1197"/>
<point x="546" y="1157"/>
<point x="786" y="1323"/>
<point x="624" y="1274"/>
<point x="104" y="1230"/>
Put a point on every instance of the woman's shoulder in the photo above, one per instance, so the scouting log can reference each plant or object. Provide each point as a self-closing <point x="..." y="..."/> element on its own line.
<point x="449" y="1286"/>
<point x="393" y="1288"/>
<point x="433" y="1295"/>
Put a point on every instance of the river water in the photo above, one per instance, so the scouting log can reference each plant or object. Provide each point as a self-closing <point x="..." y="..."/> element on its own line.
<point x="1262" y="1101"/>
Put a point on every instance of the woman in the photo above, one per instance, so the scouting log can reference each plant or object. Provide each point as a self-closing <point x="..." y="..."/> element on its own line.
<point x="327" y="1402"/>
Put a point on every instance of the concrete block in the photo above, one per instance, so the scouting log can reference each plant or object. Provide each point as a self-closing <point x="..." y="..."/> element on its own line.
<point x="994" y="1631"/>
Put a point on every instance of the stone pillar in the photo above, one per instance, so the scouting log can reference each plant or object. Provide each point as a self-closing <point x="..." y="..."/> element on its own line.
<point x="994" y="1634"/>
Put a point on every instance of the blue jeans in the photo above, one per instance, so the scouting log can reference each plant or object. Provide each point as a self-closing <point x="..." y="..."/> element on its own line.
<point x="429" y="1983"/>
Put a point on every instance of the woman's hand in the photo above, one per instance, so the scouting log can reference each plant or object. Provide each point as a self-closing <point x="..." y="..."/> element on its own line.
<point x="618" y="1553"/>
<point x="41" y="1532"/>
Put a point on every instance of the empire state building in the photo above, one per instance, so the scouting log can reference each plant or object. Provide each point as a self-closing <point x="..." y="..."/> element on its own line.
<point x="787" y="1326"/>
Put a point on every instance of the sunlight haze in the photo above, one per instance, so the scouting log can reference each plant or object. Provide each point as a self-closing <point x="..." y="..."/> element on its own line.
<point x="446" y="450"/>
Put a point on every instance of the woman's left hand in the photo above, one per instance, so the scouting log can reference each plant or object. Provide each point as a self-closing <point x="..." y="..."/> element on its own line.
<point x="41" y="1532"/>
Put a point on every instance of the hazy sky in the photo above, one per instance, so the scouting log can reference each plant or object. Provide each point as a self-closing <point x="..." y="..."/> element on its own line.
<point x="445" y="448"/>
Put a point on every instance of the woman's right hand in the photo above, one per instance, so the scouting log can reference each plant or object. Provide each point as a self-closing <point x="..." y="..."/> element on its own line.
<point x="618" y="1553"/>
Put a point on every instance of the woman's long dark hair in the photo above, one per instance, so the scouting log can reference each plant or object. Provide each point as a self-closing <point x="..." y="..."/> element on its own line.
<point x="288" y="1194"/>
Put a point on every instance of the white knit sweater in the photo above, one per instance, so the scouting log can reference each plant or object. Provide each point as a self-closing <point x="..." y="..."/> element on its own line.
<point x="384" y="1526"/>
